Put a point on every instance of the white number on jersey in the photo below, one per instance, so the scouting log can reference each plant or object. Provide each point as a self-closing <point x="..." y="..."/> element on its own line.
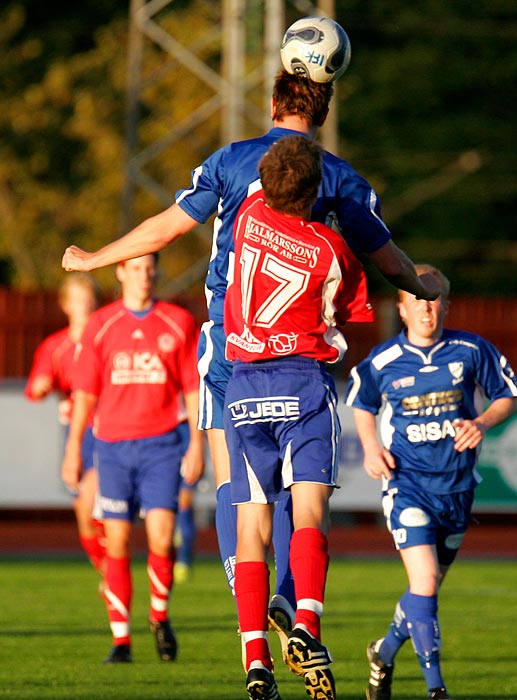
<point x="292" y="283"/>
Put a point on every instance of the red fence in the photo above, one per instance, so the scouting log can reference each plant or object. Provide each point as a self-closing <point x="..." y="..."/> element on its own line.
<point x="28" y="317"/>
<point x="25" y="319"/>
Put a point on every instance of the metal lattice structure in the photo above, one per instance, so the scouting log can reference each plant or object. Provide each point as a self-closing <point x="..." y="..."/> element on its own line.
<point x="228" y="90"/>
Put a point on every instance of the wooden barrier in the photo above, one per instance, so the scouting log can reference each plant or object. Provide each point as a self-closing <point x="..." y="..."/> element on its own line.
<point x="26" y="318"/>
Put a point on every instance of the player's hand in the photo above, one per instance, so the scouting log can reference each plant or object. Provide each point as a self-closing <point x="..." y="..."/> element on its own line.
<point x="468" y="436"/>
<point x="193" y="464"/>
<point x="431" y="287"/>
<point x="378" y="463"/>
<point x="76" y="259"/>
<point x="41" y="386"/>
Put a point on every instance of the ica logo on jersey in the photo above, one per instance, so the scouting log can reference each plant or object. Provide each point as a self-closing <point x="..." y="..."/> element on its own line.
<point x="137" y="368"/>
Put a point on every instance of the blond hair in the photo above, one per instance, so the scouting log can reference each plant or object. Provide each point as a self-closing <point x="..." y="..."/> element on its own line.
<point x="78" y="279"/>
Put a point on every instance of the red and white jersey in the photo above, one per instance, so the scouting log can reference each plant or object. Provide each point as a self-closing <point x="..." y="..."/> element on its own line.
<point x="54" y="358"/>
<point x="293" y="281"/>
<point x="138" y="368"/>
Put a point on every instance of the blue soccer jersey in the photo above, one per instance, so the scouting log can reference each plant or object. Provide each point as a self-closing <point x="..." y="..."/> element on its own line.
<point x="228" y="176"/>
<point x="420" y="392"/>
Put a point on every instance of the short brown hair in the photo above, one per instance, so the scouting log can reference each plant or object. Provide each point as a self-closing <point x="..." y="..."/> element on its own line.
<point x="294" y="94"/>
<point x="290" y="173"/>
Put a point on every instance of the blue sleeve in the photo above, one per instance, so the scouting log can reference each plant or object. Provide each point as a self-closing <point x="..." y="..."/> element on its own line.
<point x="201" y="199"/>
<point x="362" y="390"/>
<point x="355" y="205"/>
<point x="494" y="373"/>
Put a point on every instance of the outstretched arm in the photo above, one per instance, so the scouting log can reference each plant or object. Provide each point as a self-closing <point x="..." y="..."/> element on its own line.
<point x="151" y="235"/>
<point x="378" y="461"/>
<point x="400" y="271"/>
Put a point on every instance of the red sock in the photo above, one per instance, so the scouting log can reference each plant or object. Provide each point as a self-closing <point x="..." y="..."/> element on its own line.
<point x="252" y="596"/>
<point x="118" y="595"/>
<point x="160" y="571"/>
<point x="95" y="551"/>
<point x="309" y="563"/>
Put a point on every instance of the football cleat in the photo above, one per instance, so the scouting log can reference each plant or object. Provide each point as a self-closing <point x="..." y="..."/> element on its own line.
<point x="120" y="654"/>
<point x="309" y="658"/>
<point x="379" y="682"/>
<point x="166" y="643"/>
<point x="438" y="694"/>
<point x="281" y="620"/>
<point x="261" y="685"/>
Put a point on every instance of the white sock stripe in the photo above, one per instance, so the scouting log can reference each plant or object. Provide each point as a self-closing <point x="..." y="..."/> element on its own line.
<point x="310" y="604"/>
<point x="254" y="634"/>
<point x="159" y="603"/>
<point x="116" y="603"/>
<point x="156" y="581"/>
<point x="119" y="629"/>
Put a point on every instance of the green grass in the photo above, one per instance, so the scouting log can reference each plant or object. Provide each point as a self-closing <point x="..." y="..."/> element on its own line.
<point x="54" y="634"/>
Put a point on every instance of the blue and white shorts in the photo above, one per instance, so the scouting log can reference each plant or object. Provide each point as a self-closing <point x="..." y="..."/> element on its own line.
<point x="215" y="372"/>
<point x="139" y="475"/>
<point x="281" y="426"/>
<point x="415" y="517"/>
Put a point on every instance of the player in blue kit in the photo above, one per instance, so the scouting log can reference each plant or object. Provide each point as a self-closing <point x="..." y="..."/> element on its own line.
<point x="427" y="383"/>
<point x="220" y="184"/>
<point x="295" y="284"/>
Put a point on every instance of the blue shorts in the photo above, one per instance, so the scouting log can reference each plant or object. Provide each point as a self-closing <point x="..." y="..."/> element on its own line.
<point x="87" y="448"/>
<point x="139" y="475"/>
<point x="281" y="427"/>
<point x="215" y="372"/>
<point x="416" y="517"/>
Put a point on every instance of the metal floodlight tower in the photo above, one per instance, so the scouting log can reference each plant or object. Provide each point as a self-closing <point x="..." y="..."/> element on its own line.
<point x="229" y="90"/>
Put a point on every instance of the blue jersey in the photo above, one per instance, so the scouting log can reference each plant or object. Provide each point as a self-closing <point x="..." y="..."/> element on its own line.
<point x="228" y="176"/>
<point x="421" y="392"/>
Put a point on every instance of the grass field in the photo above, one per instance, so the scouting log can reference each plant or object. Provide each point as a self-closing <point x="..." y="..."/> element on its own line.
<point x="54" y="634"/>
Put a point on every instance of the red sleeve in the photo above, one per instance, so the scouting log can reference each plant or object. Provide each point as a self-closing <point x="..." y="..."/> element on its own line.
<point x="352" y="302"/>
<point x="42" y="364"/>
<point x="188" y="356"/>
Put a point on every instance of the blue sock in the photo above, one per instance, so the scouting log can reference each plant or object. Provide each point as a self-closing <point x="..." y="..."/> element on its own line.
<point x="398" y="633"/>
<point x="422" y="619"/>
<point x="226" y="526"/>
<point x="187" y="527"/>
<point x="282" y="531"/>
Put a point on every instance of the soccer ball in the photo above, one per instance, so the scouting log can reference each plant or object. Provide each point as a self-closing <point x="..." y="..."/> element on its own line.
<point x="317" y="48"/>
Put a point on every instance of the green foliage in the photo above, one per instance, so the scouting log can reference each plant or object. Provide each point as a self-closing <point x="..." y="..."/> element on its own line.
<point x="426" y="113"/>
<point x="62" y="146"/>
<point x="54" y="634"/>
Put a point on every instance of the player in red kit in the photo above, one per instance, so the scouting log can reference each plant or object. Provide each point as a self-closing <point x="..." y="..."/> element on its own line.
<point x="51" y="372"/>
<point x="294" y="282"/>
<point x="137" y="363"/>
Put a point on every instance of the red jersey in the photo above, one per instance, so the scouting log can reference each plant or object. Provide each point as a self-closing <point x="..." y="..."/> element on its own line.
<point x="54" y="358"/>
<point x="138" y="368"/>
<point x="293" y="281"/>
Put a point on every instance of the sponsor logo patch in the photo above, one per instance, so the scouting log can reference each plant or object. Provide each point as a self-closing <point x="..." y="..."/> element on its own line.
<point x="264" y="410"/>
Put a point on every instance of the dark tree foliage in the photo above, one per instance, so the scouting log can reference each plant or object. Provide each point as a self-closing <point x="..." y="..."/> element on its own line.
<point x="426" y="113"/>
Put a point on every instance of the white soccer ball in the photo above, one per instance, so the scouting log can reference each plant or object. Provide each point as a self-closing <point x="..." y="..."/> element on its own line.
<point x="317" y="48"/>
